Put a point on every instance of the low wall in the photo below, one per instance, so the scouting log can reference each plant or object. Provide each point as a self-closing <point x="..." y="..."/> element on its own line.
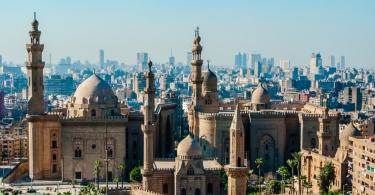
<point x="20" y="169"/>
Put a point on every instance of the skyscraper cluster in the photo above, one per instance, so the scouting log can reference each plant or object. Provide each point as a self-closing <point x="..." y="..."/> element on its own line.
<point x="142" y="61"/>
<point x="240" y="60"/>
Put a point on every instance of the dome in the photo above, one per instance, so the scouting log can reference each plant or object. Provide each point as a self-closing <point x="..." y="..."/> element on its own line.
<point x="260" y="96"/>
<point x="209" y="81"/>
<point x="189" y="147"/>
<point x="350" y="130"/>
<point x="94" y="89"/>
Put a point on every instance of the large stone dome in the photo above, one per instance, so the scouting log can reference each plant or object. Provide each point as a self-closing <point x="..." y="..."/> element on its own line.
<point x="94" y="90"/>
<point x="189" y="148"/>
<point x="350" y="130"/>
<point x="209" y="81"/>
<point x="260" y="96"/>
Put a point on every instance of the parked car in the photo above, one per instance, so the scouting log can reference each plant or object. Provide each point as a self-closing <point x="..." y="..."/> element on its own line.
<point x="31" y="191"/>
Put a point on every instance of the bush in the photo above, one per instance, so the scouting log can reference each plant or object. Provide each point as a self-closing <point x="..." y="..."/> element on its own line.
<point x="135" y="174"/>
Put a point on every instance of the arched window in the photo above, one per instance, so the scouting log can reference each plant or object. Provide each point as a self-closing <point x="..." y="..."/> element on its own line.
<point x="93" y="112"/>
<point x="78" y="153"/>
<point x="110" y="152"/>
<point x="312" y="143"/>
<point x="209" y="188"/>
<point x="183" y="191"/>
<point x="165" y="188"/>
<point x="197" y="191"/>
<point x="190" y="170"/>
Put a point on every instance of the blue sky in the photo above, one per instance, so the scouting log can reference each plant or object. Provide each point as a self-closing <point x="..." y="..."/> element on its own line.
<point x="283" y="29"/>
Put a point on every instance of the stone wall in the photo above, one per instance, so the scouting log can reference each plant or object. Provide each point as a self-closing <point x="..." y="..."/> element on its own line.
<point x="20" y="169"/>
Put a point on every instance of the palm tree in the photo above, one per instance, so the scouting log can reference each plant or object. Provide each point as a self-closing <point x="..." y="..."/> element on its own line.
<point x="259" y="161"/>
<point x="307" y="185"/>
<point x="117" y="179"/>
<point x="122" y="166"/>
<point x="292" y="163"/>
<point x="326" y="177"/>
<point x="97" y="164"/>
<point x="298" y="156"/>
<point x="303" y="180"/>
<point x="283" y="171"/>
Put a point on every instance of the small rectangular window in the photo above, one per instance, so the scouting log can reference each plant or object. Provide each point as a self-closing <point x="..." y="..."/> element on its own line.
<point x="54" y="144"/>
<point x="78" y="175"/>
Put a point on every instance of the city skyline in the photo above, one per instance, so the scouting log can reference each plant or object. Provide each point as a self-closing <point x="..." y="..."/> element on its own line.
<point x="283" y="30"/>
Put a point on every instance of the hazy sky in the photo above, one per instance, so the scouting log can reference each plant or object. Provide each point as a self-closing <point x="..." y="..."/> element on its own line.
<point x="285" y="30"/>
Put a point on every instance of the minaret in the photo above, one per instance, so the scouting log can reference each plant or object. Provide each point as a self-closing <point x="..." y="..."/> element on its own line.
<point x="35" y="67"/>
<point x="148" y="129"/>
<point x="324" y="133"/>
<point x="197" y="80"/>
<point x="236" y="170"/>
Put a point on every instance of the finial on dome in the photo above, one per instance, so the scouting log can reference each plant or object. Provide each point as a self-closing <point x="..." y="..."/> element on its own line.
<point x="197" y="32"/>
<point x="34" y="15"/>
<point x="208" y="64"/>
<point x="149" y="64"/>
<point x="35" y="23"/>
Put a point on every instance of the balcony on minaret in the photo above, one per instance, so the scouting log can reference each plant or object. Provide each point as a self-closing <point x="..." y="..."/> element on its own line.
<point x="149" y="128"/>
<point x="325" y="134"/>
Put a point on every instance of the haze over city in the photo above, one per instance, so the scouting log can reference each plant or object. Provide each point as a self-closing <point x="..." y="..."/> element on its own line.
<point x="285" y="30"/>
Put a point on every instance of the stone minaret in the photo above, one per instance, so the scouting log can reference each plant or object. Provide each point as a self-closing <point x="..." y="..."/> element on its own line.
<point x="197" y="80"/>
<point x="35" y="67"/>
<point x="236" y="170"/>
<point x="324" y="133"/>
<point x="44" y="131"/>
<point x="148" y="129"/>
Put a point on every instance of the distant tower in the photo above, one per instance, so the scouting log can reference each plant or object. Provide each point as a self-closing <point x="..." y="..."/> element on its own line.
<point x="341" y="63"/>
<point x="197" y="80"/>
<point x="315" y="62"/>
<point x="1" y="60"/>
<point x="324" y="134"/>
<point x="171" y="60"/>
<point x="35" y="67"/>
<point x="101" y="59"/>
<point x="148" y="129"/>
<point x="236" y="170"/>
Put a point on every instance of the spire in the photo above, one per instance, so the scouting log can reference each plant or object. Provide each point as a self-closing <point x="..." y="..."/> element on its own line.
<point x="149" y="64"/>
<point x="237" y="119"/>
<point x="208" y="64"/>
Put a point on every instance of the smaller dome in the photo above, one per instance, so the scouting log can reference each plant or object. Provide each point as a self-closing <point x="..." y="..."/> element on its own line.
<point x="350" y="130"/>
<point x="189" y="147"/>
<point x="260" y="96"/>
<point x="209" y="81"/>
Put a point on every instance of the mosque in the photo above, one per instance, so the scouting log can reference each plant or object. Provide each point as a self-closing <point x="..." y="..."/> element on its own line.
<point x="65" y="143"/>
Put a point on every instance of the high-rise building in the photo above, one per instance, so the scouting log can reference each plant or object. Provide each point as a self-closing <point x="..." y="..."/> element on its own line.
<point x="285" y="64"/>
<point x="341" y="63"/>
<point x="1" y="60"/>
<point x="68" y="60"/>
<point x="189" y="57"/>
<point x="315" y="62"/>
<point x="258" y="69"/>
<point x="255" y="58"/>
<point x="142" y="61"/>
<point x="172" y="60"/>
<point x="331" y="61"/>
<point x="101" y="59"/>
<point x="240" y="60"/>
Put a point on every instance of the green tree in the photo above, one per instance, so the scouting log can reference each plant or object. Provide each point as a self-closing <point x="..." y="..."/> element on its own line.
<point x="292" y="163"/>
<point x="224" y="179"/>
<point x="298" y="156"/>
<point x="303" y="180"/>
<point x="67" y="193"/>
<point x="73" y="182"/>
<point x="274" y="187"/>
<point x="122" y="166"/>
<point x="307" y="185"/>
<point x="326" y="177"/>
<point x="97" y="164"/>
<point x="135" y="174"/>
<point x="283" y="171"/>
<point x="3" y="155"/>
<point x="117" y="179"/>
<point x="259" y="162"/>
